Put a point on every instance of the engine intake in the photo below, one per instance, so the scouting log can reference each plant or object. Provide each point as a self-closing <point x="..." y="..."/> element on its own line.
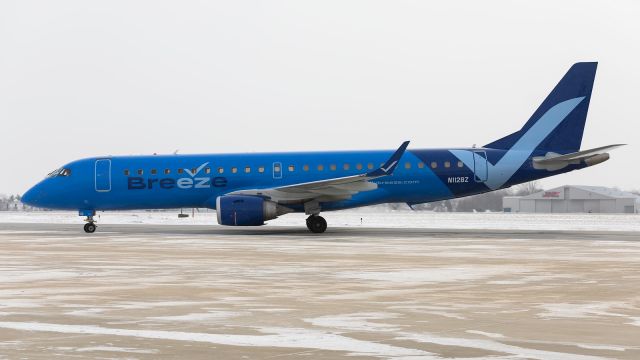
<point x="240" y="210"/>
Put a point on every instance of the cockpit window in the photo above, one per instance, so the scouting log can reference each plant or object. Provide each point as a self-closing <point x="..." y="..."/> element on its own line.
<point x="59" y="172"/>
<point x="54" y="173"/>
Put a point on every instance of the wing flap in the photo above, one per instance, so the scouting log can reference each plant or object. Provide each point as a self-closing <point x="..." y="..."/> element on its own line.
<point x="331" y="191"/>
<point x="357" y="186"/>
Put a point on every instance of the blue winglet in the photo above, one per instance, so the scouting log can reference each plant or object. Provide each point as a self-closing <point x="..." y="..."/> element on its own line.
<point x="390" y="165"/>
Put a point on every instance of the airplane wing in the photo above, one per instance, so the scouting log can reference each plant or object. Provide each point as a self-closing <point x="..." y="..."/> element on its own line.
<point x="591" y="157"/>
<point x="330" y="189"/>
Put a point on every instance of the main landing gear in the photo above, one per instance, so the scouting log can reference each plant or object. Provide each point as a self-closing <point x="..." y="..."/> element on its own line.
<point x="316" y="224"/>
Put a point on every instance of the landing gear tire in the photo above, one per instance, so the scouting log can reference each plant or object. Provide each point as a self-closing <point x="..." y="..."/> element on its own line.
<point x="316" y="224"/>
<point x="89" y="227"/>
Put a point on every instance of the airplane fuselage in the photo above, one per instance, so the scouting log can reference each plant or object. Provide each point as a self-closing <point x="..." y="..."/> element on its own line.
<point x="176" y="181"/>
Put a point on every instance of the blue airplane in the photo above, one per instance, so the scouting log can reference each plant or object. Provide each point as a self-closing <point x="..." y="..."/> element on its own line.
<point x="249" y="189"/>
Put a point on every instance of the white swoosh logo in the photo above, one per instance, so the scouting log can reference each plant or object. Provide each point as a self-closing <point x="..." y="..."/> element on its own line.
<point x="192" y="174"/>
<point x="507" y="166"/>
<point x="386" y="170"/>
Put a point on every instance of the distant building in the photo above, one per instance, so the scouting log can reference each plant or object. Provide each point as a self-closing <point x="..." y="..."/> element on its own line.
<point x="574" y="199"/>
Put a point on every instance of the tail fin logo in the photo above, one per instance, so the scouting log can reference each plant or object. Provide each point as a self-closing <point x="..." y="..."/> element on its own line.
<point x="504" y="169"/>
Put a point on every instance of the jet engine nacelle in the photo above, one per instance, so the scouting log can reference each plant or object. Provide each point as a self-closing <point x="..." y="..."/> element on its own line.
<point x="240" y="210"/>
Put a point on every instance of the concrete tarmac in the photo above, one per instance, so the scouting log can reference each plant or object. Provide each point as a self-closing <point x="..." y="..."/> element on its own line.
<point x="207" y="292"/>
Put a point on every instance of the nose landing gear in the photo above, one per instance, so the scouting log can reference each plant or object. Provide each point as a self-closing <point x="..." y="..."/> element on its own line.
<point x="316" y="224"/>
<point x="90" y="226"/>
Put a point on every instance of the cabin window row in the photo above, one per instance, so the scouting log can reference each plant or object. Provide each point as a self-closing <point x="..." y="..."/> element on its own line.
<point x="290" y="168"/>
<point x="207" y="170"/>
<point x="434" y="164"/>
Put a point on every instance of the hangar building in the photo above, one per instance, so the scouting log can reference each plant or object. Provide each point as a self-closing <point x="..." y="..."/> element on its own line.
<point x="574" y="199"/>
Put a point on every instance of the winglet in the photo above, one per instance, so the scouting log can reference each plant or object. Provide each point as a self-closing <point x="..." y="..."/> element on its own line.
<point x="390" y="165"/>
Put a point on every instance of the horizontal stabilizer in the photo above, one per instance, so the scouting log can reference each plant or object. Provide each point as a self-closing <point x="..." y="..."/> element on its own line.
<point x="553" y="161"/>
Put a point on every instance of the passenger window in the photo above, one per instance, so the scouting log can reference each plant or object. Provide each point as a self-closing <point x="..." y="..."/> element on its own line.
<point x="126" y="173"/>
<point x="447" y="164"/>
<point x="140" y="172"/>
<point x="420" y="165"/>
<point x="292" y="168"/>
<point x="320" y="167"/>
<point x="167" y="171"/>
<point x="359" y="166"/>
<point x="220" y="170"/>
<point x="276" y="168"/>
<point x="261" y="169"/>
<point x="305" y="168"/>
<point x="460" y="164"/>
<point x="434" y="164"/>
<point x="234" y="170"/>
<point x="154" y="171"/>
<point x="193" y="170"/>
<point x="180" y="171"/>
<point x="407" y="165"/>
<point x="247" y="169"/>
<point x="345" y="166"/>
<point x="370" y="166"/>
<point x="332" y="167"/>
<point x="207" y="170"/>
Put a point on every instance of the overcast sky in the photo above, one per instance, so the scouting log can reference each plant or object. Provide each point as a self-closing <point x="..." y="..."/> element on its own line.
<point x="86" y="78"/>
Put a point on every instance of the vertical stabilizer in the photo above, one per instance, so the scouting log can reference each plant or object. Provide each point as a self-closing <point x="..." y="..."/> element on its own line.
<point x="558" y="124"/>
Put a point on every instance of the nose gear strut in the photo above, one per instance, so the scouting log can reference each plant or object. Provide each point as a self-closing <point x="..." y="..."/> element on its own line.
<point x="90" y="226"/>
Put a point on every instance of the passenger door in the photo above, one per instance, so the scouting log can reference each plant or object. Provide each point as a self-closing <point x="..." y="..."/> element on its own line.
<point x="103" y="175"/>
<point x="480" y="168"/>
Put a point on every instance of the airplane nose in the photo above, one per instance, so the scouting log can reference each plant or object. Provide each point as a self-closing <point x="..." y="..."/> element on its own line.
<point x="31" y="196"/>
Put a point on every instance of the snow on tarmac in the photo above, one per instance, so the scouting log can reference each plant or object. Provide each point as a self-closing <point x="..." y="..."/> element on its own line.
<point x="198" y="317"/>
<point x="303" y="338"/>
<point x="275" y="337"/>
<point x="410" y="295"/>
<point x="432" y="275"/>
<point x="355" y="322"/>
<point x="367" y="216"/>
<point x="521" y="352"/>
<point x="573" y="310"/>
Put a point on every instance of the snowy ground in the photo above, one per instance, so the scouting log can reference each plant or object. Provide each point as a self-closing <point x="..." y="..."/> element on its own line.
<point x="190" y="292"/>
<point x="366" y="217"/>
